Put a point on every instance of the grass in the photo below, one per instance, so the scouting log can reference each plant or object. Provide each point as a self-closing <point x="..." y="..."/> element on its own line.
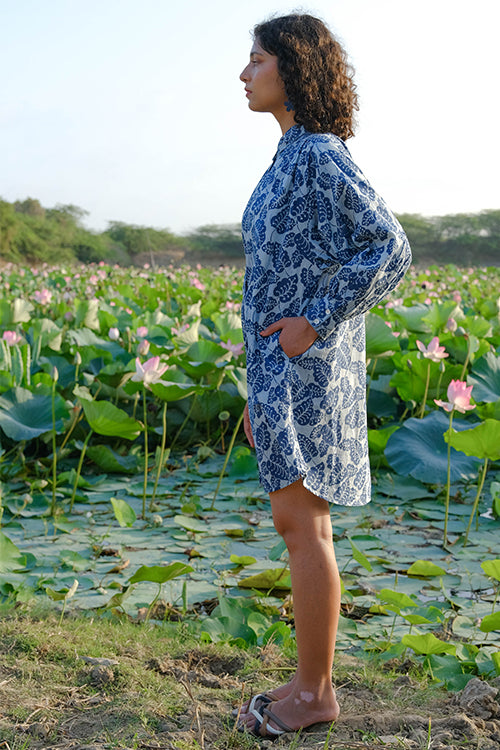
<point x="122" y="685"/>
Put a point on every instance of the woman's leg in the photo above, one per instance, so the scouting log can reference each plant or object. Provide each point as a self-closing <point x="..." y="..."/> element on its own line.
<point x="303" y="520"/>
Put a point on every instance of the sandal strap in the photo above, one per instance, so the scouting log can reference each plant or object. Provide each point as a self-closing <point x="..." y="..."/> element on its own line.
<point x="257" y="704"/>
<point x="271" y="715"/>
<point x="264" y="730"/>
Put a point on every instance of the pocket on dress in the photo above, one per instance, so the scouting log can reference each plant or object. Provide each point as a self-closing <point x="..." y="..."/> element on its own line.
<point x="297" y="357"/>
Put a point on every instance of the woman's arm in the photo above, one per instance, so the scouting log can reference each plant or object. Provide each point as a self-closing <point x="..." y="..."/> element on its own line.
<point x="368" y="247"/>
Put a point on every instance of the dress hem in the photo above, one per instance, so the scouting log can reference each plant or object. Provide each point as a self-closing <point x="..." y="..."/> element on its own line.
<point x="316" y="492"/>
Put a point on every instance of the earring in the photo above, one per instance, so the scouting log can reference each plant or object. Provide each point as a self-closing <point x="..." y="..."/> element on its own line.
<point x="289" y="106"/>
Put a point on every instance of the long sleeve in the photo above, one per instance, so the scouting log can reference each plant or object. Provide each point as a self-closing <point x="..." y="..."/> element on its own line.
<point x="367" y="249"/>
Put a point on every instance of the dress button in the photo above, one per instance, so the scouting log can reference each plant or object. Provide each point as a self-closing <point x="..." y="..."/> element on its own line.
<point x="327" y="312"/>
<point x="317" y="321"/>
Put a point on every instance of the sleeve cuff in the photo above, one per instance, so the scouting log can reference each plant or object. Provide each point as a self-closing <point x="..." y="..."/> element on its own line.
<point x="320" y="318"/>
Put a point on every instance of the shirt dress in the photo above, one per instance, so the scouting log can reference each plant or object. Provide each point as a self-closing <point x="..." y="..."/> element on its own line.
<point x="319" y="242"/>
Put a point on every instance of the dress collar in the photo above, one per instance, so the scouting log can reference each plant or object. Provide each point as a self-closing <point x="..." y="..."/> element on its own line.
<point x="291" y="135"/>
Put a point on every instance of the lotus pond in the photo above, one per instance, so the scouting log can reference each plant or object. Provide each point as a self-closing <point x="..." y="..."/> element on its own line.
<point x="127" y="488"/>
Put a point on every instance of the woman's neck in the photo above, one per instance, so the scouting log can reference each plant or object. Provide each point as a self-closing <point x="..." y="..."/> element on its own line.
<point x="286" y="119"/>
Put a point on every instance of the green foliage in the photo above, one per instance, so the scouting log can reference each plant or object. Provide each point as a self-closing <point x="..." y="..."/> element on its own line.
<point x="30" y="232"/>
<point x="106" y="419"/>
<point x="205" y="506"/>
<point x="125" y="514"/>
<point x="132" y="240"/>
<point x="216" y="240"/>
<point x="470" y="239"/>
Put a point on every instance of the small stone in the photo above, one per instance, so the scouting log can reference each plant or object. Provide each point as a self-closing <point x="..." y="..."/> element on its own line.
<point x="402" y="681"/>
<point x="102" y="675"/>
<point x="37" y="729"/>
<point x="99" y="661"/>
<point x="166" y="726"/>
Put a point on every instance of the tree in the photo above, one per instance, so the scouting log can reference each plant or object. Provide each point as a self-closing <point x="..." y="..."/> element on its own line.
<point x="217" y="239"/>
<point x="31" y="207"/>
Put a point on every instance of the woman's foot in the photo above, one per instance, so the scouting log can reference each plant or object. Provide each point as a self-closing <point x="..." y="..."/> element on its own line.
<point x="297" y="710"/>
<point x="276" y="694"/>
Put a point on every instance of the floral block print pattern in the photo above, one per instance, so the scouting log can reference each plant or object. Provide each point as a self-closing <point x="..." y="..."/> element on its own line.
<point x="319" y="242"/>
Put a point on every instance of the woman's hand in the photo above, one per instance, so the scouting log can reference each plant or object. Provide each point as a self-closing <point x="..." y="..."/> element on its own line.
<point x="247" y="426"/>
<point x="297" y="334"/>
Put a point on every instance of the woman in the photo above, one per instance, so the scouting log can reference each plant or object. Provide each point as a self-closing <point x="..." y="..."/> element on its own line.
<point x="321" y="249"/>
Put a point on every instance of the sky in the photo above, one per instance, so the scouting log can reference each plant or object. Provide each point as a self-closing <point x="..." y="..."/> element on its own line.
<point x="133" y="109"/>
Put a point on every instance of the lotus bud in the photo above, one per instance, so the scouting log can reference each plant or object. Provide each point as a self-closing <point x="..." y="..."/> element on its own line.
<point x="55" y="374"/>
<point x="77" y="359"/>
<point x="72" y="590"/>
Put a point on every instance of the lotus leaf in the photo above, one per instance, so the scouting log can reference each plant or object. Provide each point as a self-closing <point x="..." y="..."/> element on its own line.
<point x="482" y="441"/>
<point x="25" y="415"/>
<point x="418" y="449"/>
<point x="107" y="419"/>
<point x="485" y="378"/>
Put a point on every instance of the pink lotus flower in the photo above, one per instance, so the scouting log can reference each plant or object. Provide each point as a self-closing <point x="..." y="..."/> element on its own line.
<point x="198" y="284"/>
<point x="43" y="296"/>
<point x="459" y="396"/>
<point x="142" y="332"/>
<point x="434" y="352"/>
<point x="235" y="349"/>
<point x="148" y="373"/>
<point x="114" y="334"/>
<point x="11" y="338"/>
<point x="451" y="325"/>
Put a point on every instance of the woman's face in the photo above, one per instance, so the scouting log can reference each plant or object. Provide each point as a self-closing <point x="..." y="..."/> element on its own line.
<point x="264" y="87"/>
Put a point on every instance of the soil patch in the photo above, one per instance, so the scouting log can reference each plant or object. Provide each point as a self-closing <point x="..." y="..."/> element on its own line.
<point x="142" y="687"/>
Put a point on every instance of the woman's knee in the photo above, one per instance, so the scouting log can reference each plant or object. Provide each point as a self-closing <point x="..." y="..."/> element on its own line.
<point x="297" y="529"/>
<point x="300" y="517"/>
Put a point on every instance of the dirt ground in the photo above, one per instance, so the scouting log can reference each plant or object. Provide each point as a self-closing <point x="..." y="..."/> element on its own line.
<point x="53" y="698"/>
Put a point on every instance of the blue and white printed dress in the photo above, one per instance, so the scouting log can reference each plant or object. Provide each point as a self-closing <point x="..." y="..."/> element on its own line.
<point x="319" y="242"/>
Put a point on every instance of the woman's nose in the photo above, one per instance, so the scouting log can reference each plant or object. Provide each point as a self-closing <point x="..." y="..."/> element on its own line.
<point x="244" y="75"/>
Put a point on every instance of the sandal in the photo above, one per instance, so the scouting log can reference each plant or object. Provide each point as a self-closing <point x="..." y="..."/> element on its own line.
<point x="259" y="700"/>
<point x="262" y="728"/>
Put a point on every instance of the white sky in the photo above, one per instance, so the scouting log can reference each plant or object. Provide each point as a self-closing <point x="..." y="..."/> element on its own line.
<point x="133" y="109"/>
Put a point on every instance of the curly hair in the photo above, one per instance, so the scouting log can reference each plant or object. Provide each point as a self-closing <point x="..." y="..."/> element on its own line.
<point x="314" y="68"/>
